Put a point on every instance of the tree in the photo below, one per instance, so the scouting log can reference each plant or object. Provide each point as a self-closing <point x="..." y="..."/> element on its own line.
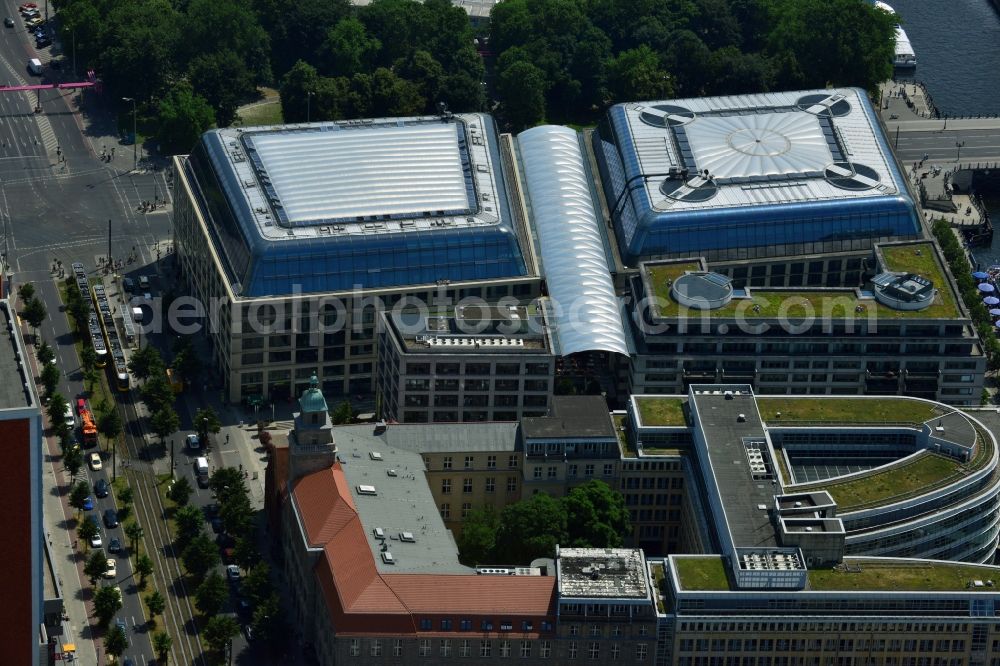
<point x="88" y="358"/>
<point x="79" y="494"/>
<point x="207" y="421"/>
<point x="165" y="422"/>
<point x="531" y="528"/>
<point x="522" y="86"/>
<point x="479" y="536"/>
<point x="34" y="312"/>
<point x="96" y="566"/>
<point x="107" y="602"/>
<point x="144" y="568"/>
<point x="211" y="594"/>
<point x="50" y="377"/>
<point x="237" y="515"/>
<point x="349" y="49"/>
<point x="189" y="522"/>
<point x="181" y="490"/>
<point x="157" y="392"/>
<point x="227" y="482"/>
<point x="636" y="74"/>
<point x="223" y="79"/>
<point x="267" y="620"/>
<point x="141" y="57"/>
<point x="183" y="117"/>
<point x="73" y="461"/>
<point x="245" y="553"/>
<point x="161" y="645"/>
<point x="87" y="530"/>
<point x="109" y="424"/>
<point x="146" y="362"/>
<point x="200" y="556"/>
<point x="257" y="583"/>
<point x="156" y="604"/>
<point x="300" y="80"/>
<point x="45" y="353"/>
<point x="26" y="292"/>
<point x="115" y="642"/>
<point x="343" y="413"/>
<point x="219" y="630"/>
<point x="134" y="532"/>
<point x="56" y="412"/>
<point x="596" y="516"/>
<point x="125" y="497"/>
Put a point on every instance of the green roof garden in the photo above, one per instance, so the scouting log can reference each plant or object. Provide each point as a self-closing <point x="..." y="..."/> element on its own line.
<point x="859" y="574"/>
<point x="657" y="411"/>
<point x="893" y="484"/>
<point x="701" y="573"/>
<point x="829" y="409"/>
<point x="771" y="303"/>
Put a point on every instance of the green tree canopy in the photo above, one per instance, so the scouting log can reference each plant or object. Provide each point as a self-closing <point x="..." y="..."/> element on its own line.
<point x="50" y="378"/>
<point x="79" y="494"/>
<point x="200" y="556"/>
<point x="87" y="530"/>
<point x="349" y="49"/>
<point x="143" y="569"/>
<point x="109" y="423"/>
<point x="531" y="528"/>
<point x="224" y="80"/>
<point x="257" y="583"/>
<point x="522" y="86"/>
<point x="26" y="292"/>
<point x="211" y="594"/>
<point x="162" y="644"/>
<point x="190" y="523"/>
<point x="219" y="630"/>
<point x="34" y="312"/>
<point x="479" y="536"/>
<point x="596" y="516"/>
<point x="146" y="362"/>
<point x="637" y="74"/>
<point x="206" y="421"/>
<point x="107" y="602"/>
<point x="165" y="422"/>
<point x="181" y="491"/>
<point x="157" y="393"/>
<point x="45" y="354"/>
<point x="183" y="116"/>
<point x="73" y="461"/>
<point x="155" y="603"/>
<point x="134" y="532"/>
<point x="115" y="641"/>
<point x="268" y="623"/>
<point x="96" y="566"/>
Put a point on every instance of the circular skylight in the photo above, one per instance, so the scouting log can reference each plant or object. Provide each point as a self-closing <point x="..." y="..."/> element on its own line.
<point x="666" y="115"/>
<point x="851" y="176"/>
<point x="759" y="142"/>
<point x="824" y="105"/>
<point x="694" y="189"/>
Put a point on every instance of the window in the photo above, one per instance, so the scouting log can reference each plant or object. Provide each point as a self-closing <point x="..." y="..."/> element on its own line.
<point x="615" y="650"/>
<point x="468" y="462"/>
<point x="464" y="648"/>
<point x="491" y="462"/>
<point x="426" y="624"/>
<point x="505" y="649"/>
<point x="355" y="648"/>
<point x="525" y="649"/>
<point x="485" y="648"/>
<point x="640" y="651"/>
<point x="424" y="650"/>
<point x="445" y="511"/>
<point x="609" y="469"/>
<point x="446" y="463"/>
<point x="588" y="470"/>
<point x="466" y="509"/>
<point x="552" y="472"/>
<point x="397" y="647"/>
<point x="537" y="473"/>
<point x="512" y="485"/>
<point x="465" y="625"/>
<point x="512" y="461"/>
<point x="491" y="484"/>
<point x="616" y="630"/>
<point x="572" y="471"/>
<point x="595" y="650"/>
<point x="466" y="486"/>
<point x="574" y="630"/>
<point x="571" y="650"/>
<point x="545" y="649"/>
<point x="446" y="645"/>
<point x="446" y="625"/>
<point x="445" y="486"/>
<point x="375" y="649"/>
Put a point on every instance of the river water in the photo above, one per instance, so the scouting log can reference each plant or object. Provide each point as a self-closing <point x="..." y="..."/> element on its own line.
<point x="958" y="60"/>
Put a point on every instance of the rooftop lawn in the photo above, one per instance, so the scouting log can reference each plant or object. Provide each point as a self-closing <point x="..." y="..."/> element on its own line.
<point x="701" y="573"/>
<point x="661" y="411"/>
<point x="922" y="473"/>
<point x="846" y="410"/>
<point x="627" y="450"/>
<point x="900" y="576"/>
<point x="819" y="303"/>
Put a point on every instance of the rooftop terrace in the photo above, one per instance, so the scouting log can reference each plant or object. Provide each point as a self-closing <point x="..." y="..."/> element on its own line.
<point x="656" y="411"/>
<point x="839" y="303"/>
<point x="834" y="410"/>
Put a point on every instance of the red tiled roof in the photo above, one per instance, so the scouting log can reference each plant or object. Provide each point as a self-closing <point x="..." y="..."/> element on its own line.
<point x="475" y="595"/>
<point x="360" y="598"/>
<point x="325" y="504"/>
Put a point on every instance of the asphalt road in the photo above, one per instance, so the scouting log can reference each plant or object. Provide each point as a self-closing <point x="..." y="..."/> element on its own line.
<point x="981" y="145"/>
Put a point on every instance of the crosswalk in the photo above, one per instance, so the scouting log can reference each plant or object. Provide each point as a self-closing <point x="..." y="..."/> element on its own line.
<point x="45" y="130"/>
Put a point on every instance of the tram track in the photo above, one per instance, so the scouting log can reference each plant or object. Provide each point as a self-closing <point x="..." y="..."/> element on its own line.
<point x="178" y="616"/>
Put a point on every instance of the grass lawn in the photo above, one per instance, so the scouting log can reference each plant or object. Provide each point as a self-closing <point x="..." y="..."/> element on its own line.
<point x="661" y="411"/>
<point x="902" y="576"/>
<point x="924" y="472"/>
<point x="846" y="410"/>
<point x="627" y="450"/>
<point x="658" y="575"/>
<point x="702" y="573"/>
<point x="261" y="113"/>
<point x="825" y="303"/>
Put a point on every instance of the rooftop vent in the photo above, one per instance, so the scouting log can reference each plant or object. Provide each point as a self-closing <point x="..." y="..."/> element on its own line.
<point x="390" y="472"/>
<point x="379" y="533"/>
<point x="665" y="115"/>
<point x="366" y="490"/>
<point x="388" y="558"/>
<point x="407" y="537"/>
<point x="375" y="455"/>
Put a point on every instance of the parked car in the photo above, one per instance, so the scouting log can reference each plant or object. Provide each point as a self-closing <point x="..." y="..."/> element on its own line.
<point x="217" y="525"/>
<point x="110" y="518"/>
<point x="128" y="284"/>
<point x="88" y="503"/>
<point x="96" y="541"/>
<point x="115" y="546"/>
<point x="193" y="443"/>
<point x="233" y="573"/>
<point x="112" y="570"/>
<point x="95" y="461"/>
<point x="8" y="21"/>
<point x="101" y="488"/>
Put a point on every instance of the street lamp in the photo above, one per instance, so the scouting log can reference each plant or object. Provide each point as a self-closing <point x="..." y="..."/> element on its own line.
<point x="958" y="150"/>
<point x="135" y="136"/>
<point x="309" y="96"/>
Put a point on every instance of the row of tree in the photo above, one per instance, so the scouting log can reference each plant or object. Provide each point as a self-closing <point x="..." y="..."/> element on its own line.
<point x="958" y="261"/>
<point x="591" y="515"/>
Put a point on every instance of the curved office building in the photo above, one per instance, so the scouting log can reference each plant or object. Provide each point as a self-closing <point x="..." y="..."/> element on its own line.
<point x="751" y="176"/>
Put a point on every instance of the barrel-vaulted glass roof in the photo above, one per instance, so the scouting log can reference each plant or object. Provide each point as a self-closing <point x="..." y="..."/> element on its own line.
<point x="359" y="204"/>
<point x="586" y="314"/>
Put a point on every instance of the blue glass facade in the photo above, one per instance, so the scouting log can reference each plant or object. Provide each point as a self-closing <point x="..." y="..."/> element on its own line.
<point x="261" y="267"/>
<point x="762" y="230"/>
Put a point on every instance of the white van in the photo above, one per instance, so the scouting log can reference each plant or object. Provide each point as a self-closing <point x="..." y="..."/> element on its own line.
<point x="201" y="471"/>
<point x="35" y="67"/>
<point x="68" y="416"/>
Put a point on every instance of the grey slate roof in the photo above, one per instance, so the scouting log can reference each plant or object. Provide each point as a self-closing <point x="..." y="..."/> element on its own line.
<point x="432" y="437"/>
<point x="572" y="416"/>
